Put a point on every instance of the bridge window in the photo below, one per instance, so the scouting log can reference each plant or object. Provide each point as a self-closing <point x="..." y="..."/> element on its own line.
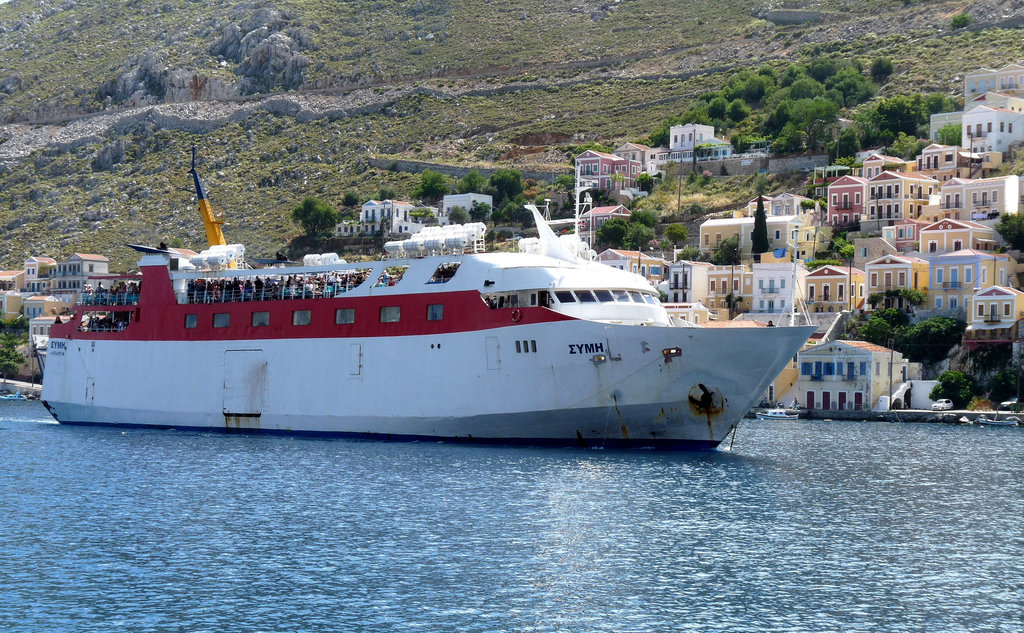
<point x="604" y="296"/>
<point x="260" y="319"/>
<point x="564" y="296"/>
<point x="585" y="296"/>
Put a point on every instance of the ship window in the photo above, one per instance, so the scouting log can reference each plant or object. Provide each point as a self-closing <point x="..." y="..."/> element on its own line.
<point x="390" y="314"/>
<point x="444" y="272"/>
<point x="650" y="299"/>
<point x="565" y="296"/>
<point x="604" y="296"/>
<point x="344" y="316"/>
<point x="435" y="312"/>
<point x="519" y="349"/>
<point x="191" y="321"/>
<point x="585" y="296"/>
<point x="639" y="298"/>
<point x="533" y="345"/>
<point x="621" y="295"/>
<point x="301" y="317"/>
<point x="221" y="319"/>
<point x="260" y="319"/>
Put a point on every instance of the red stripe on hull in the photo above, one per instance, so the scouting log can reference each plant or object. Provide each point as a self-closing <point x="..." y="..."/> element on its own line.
<point x="159" y="317"/>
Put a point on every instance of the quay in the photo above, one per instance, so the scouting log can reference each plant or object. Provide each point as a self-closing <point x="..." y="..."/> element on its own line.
<point x="896" y="415"/>
<point x="27" y="389"/>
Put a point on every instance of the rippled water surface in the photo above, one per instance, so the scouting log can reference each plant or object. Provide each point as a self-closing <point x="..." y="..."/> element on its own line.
<point x="802" y="526"/>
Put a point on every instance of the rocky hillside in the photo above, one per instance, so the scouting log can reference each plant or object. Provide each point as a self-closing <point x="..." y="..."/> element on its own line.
<point x="100" y="101"/>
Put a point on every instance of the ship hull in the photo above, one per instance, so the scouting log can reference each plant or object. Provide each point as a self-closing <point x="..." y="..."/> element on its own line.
<point x="576" y="382"/>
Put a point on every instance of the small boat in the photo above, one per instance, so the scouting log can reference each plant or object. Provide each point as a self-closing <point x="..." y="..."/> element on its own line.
<point x="994" y="422"/>
<point x="13" y="396"/>
<point x="776" y="414"/>
<point x="965" y="420"/>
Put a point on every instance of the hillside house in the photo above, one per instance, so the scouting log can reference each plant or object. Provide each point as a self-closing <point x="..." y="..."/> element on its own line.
<point x="896" y="272"/>
<point x="465" y="201"/>
<point x="688" y="282"/>
<point x="946" y="236"/>
<point x="1008" y="78"/>
<point x="904" y="234"/>
<point x="834" y="289"/>
<point x="608" y="171"/>
<point x="994" y="316"/>
<point x="846" y="198"/>
<point x="954" y="277"/>
<point x="648" y="266"/>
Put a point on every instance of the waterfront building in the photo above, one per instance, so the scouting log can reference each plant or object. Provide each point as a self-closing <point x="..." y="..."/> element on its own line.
<point x="954" y="277"/>
<point x="946" y="236"/>
<point x="780" y="232"/>
<point x="39" y="273"/>
<point x="648" y="266"/>
<point x="692" y="312"/>
<point x="904" y="234"/>
<point x="849" y="375"/>
<point x="688" y="281"/>
<point x="44" y="305"/>
<point x="893" y="196"/>
<point x="846" y="198"/>
<point x="736" y="280"/>
<point x="835" y="288"/>
<point x="891" y="273"/>
<point x="994" y="316"/>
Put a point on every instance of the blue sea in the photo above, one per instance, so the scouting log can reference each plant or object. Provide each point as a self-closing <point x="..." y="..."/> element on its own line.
<point x="801" y="526"/>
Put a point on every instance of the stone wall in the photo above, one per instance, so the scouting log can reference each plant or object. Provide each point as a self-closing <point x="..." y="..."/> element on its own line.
<point x="417" y="166"/>
<point x="798" y="163"/>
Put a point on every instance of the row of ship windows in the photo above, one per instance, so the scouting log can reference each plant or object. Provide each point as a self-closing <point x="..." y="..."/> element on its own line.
<point x="342" y="316"/>
<point x="604" y="296"/>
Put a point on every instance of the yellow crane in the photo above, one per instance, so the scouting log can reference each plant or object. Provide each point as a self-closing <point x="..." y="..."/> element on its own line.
<point x="214" y="234"/>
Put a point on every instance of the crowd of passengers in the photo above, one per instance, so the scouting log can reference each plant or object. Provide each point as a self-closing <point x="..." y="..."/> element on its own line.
<point x="105" y="322"/>
<point x="120" y="293"/>
<point x="307" y="286"/>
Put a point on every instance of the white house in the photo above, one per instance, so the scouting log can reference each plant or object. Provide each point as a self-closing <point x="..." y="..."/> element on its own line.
<point x="464" y="200"/>
<point x="396" y="215"/>
<point x="773" y="286"/>
<point x="991" y="129"/>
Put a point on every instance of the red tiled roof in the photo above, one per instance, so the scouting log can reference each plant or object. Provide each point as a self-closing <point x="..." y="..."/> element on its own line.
<point x="871" y="347"/>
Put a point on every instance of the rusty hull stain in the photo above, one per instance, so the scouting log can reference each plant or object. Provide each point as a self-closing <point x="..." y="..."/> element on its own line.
<point x="708" y="403"/>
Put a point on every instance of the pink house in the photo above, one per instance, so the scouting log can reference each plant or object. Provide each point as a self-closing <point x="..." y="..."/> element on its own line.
<point x="846" y="200"/>
<point x="593" y="219"/>
<point x="600" y="168"/>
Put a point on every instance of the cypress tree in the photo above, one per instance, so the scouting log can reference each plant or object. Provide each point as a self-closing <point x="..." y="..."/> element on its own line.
<point x="759" y="241"/>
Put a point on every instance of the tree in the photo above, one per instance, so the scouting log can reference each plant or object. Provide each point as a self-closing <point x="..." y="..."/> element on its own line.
<point x="645" y="182"/>
<point x="458" y="215"/>
<point x="1002" y="384"/>
<point x="876" y="331"/>
<point x="386" y="193"/>
<point x="645" y="217"/>
<point x="688" y="253"/>
<point x="480" y="211"/>
<point x="432" y="186"/>
<point x="316" y="217"/>
<point x="350" y="199"/>
<point x="906" y="146"/>
<point x="613" y="232"/>
<point x="638" y="236"/>
<point x="727" y="252"/>
<point x="955" y="385"/>
<point x="950" y="134"/>
<point x="930" y="341"/>
<point x="507" y="184"/>
<point x="473" y="182"/>
<point x="881" y="68"/>
<point x="737" y="111"/>
<point x="960" y="20"/>
<point x="759" y="241"/>
<point x="676" y="233"/>
<point x="11" y="359"/>
<point x="1011" y="229"/>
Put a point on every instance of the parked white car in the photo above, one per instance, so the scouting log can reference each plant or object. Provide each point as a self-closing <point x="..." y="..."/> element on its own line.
<point x="942" y="405"/>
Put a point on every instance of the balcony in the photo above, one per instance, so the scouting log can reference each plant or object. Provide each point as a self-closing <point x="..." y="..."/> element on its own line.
<point x="816" y="378"/>
<point x="950" y="285"/>
<point x="991" y="318"/>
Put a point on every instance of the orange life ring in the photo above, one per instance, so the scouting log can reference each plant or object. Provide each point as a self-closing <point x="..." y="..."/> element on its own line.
<point x="517" y="315"/>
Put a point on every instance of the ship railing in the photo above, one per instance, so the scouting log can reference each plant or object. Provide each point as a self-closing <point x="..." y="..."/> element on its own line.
<point x="220" y="295"/>
<point x="103" y="298"/>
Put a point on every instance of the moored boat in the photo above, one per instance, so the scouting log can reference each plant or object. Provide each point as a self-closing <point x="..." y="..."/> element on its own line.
<point x="986" y="421"/>
<point x="776" y="414"/>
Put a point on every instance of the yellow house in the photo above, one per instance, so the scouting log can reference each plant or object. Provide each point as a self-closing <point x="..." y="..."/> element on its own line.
<point x="11" y="304"/>
<point x="780" y="232"/>
<point x="737" y="280"/>
<point x="893" y="196"/>
<point x="946" y="236"/>
<point x="955" y="276"/>
<point x="994" y="315"/>
<point x="834" y="289"/>
<point x="895" y="272"/>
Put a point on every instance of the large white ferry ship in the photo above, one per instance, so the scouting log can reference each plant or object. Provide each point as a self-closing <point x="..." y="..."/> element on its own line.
<point x="438" y="342"/>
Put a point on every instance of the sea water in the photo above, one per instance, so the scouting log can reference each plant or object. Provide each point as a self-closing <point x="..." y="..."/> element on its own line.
<point x="801" y="526"/>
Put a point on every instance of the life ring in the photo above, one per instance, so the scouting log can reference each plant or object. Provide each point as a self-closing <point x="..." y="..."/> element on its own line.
<point x="517" y="315"/>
